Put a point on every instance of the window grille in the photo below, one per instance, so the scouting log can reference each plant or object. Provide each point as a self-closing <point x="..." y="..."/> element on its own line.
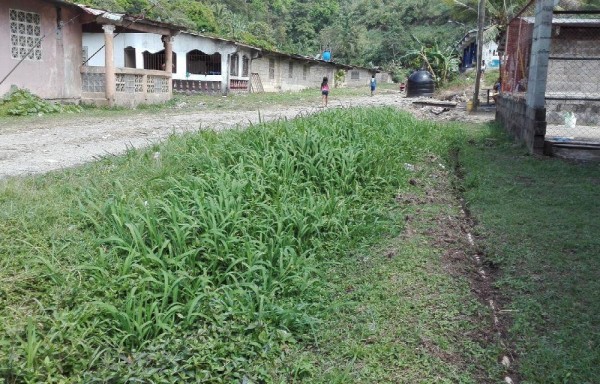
<point x="199" y="63"/>
<point x="355" y="75"/>
<point x="245" y="66"/>
<point x="25" y="32"/>
<point x="271" y="69"/>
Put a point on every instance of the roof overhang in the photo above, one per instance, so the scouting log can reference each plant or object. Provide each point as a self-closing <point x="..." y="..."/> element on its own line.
<point x="137" y="23"/>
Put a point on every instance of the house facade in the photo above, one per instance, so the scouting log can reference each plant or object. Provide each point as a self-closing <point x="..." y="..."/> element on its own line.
<point x="49" y="69"/>
<point x="281" y="72"/>
<point x="44" y="54"/>
<point x="199" y="63"/>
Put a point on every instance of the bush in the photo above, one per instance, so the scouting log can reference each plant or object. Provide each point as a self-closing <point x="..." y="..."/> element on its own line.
<point x="21" y="102"/>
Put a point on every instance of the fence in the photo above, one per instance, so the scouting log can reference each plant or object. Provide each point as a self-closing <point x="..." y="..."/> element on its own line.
<point x="573" y="86"/>
<point x="572" y="98"/>
<point x="514" y="67"/>
<point x="132" y="86"/>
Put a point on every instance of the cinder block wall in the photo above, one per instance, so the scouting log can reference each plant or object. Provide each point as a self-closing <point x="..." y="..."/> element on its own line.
<point x="522" y="122"/>
<point x="300" y="75"/>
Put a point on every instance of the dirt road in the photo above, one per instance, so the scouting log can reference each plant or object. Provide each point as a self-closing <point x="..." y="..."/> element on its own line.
<point x="49" y="144"/>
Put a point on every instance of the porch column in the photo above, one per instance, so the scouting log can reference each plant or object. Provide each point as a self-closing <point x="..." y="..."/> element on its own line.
<point x="109" y="64"/>
<point x="168" y="44"/>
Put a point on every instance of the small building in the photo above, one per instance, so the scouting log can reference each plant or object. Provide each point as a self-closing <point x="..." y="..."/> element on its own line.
<point x="45" y="55"/>
<point x="280" y="72"/>
<point x="199" y="63"/>
<point x="468" y="49"/>
<point x="358" y="76"/>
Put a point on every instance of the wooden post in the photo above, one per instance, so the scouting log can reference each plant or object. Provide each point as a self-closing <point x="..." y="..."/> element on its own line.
<point x="109" y="64"/>
<point x="480" y="27"/>
<point x="168" y="44"/>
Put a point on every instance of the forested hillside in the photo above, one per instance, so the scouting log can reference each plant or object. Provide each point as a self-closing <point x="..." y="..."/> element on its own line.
<point x="363" y="32"/>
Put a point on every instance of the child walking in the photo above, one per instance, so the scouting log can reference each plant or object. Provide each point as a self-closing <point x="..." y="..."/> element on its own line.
<point x="324" y="91"/>
<point x="373" y="85"/>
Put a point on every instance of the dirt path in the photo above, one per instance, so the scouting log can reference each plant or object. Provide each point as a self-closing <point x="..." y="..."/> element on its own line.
<point x="50" y="144"/>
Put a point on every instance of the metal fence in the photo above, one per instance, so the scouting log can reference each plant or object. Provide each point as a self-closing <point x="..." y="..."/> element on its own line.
<point x="573" y="86"/>
<point x="573" y="82"/>
<point x="514" y="64"/>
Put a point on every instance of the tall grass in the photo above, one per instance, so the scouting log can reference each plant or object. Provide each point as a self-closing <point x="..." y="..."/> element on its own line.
<point x="202" y="263"/>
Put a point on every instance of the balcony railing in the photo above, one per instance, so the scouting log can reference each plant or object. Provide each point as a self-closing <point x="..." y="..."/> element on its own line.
<point x="133" y="86"/>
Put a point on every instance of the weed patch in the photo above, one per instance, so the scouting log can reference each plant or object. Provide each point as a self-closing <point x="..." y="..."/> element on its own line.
<point x="21" y="102"/>
<point x="214" y="256"/>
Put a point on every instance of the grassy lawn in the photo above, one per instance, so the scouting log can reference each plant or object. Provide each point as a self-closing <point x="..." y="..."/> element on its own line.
<point x="306" y="250"/>
<point x="539" y="226"/>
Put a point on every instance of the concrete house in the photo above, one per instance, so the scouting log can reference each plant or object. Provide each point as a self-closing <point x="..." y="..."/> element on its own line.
<point x="44" y="54"/>
<point x="199" y="63"/>
<point x="280" y="72"/>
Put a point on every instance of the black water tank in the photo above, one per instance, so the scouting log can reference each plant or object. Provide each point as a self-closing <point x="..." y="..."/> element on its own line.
<point x="420" y="83"/>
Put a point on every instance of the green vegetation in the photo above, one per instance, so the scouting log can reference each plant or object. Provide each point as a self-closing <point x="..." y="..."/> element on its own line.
<point x="538" y="221"/>
<point x="222" y="256"/>
<point x="21" y="102"/>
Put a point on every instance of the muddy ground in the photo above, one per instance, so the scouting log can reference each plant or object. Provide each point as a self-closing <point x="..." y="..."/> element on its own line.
<point x="44" y="144"/>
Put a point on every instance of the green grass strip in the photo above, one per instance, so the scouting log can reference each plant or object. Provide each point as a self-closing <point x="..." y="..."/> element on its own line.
<point x="539" y="220"/>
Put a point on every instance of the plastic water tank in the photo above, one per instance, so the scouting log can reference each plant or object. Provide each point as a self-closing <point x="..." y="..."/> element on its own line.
<point x="420" y="83"/>
<point x="326" y="56"/>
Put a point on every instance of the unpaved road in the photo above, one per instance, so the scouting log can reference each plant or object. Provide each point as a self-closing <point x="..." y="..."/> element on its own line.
<point x="48" y="144"/>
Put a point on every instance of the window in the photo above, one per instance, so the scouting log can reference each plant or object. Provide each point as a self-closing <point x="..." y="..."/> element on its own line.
<point x="354" y="75"/>
<point x="157" y="61"/>
<point x="245" y="66"/>
<point x="199" y="63"/>
<point x="271" y="69"/>
<point x="305" y="71"/>
<point x="25" y="32"/>
<point x="291" y="69"/>
<point x="234" y="64"/>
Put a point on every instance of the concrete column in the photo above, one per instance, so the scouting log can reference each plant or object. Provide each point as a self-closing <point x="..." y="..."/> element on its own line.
<point x="535" y="131"/>
<point x="109" y="64"/>
<point x="540" y="52"/>
<point x="168" y="44"/>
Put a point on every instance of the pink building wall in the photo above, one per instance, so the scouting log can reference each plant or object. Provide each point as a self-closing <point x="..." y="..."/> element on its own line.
<point x="57" y="75"/>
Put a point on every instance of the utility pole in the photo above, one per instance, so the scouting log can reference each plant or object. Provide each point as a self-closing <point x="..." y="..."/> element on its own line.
<point x="480" y="26"/>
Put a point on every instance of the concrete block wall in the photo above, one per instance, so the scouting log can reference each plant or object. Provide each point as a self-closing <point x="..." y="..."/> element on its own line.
<point x="526" y="124"/>
<point x="383" y="77"/>
<point x="364" y="77"/>
<point x="261" y="66"/>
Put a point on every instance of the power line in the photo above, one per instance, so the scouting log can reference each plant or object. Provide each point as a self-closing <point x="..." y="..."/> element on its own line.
<point x="143" y="15"/>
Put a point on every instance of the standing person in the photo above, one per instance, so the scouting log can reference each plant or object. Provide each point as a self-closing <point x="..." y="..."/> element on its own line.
<point x="373" y="85"/>
<point x="482" y="67"/>
<point x="324" y="91"/>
